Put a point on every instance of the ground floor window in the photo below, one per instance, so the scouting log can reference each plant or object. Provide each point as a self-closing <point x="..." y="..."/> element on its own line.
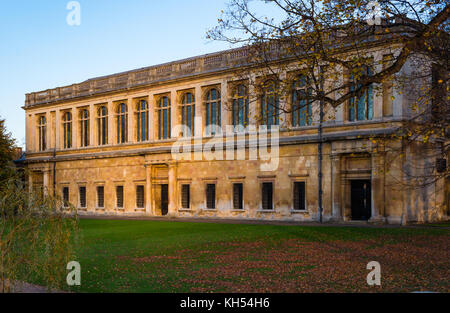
<point x="299" y="196"/>
<point x="65" y="193"/>
<point x="119" y="197"/>
<point x="267" y="196"/>
<point x="211" y="196"/>
<point x="100" y="196"/>
<point x="185" y="196"/>
<point x="238" y="200"/>
<point x="140" y="198"/>
<point x="82" y="191"/>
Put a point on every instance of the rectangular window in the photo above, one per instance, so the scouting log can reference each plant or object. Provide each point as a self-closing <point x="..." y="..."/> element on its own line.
<point x="140" y="197"/>
<point x="65" y="197"/>
<point x="267" y="196"/>
<point x="299" y="196"/>
<point x="119" y="197"/>
<point x="211" y="196"/>
<point x="185" y="196"/>
<point x="83" y="197"/>
<point x="238" y="196"/>
<point x="100" y="196"/>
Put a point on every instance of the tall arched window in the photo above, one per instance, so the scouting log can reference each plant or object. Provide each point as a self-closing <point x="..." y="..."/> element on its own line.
<point x="301" y="105"/>
<point x="142" y="121"/>
<point x="187" y="114"/>
<point x="102" y="125"/>
<point x="122" y="123"/>
<point x="67" y="126"/>
<point x="163" y="113"/>
<point x="42" y="129"/>
<point x="240" y="106"/>
<point x="84" y="127"/>
<point x="213" y="111"/>
<point x="269" y="104"/>
<point x="361" y="108"/>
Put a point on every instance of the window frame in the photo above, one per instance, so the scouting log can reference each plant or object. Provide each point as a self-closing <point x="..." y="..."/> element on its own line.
<point x="164" y="122"/>
<point x="182" y="207"/>
<point x="301" y="116"/>
<point x="269" y="89"/>
<point x="242" y="203"/>
<point x="84" y="121"/>
<point x="188" y="130"/>
<point x="122" y="123"/>
<point x="42" y="132"/>
<point x="215" y="196"/>
<point x="262" y="209"/>
<point x="97" y="200"/>
<point x="67" y="129"/>
<point x="137" y="188"/>
<point x="354" y="102"/>
<point x="85" y="197"/>
<point x="209" y="104"/>
<point x="142" y="121"/>
<point x="116" y="202"/>
<point x="305" y="195"/>
<point x="237" y="96"/>
<point x="102" y="125"/>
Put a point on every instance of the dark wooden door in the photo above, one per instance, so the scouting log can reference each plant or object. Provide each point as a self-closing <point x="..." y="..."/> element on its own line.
<point x="164" y="199"/>
<point x="361" y="199"/>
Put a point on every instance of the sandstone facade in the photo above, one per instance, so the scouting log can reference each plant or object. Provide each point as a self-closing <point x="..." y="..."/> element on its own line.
<point x="99" y="173"/>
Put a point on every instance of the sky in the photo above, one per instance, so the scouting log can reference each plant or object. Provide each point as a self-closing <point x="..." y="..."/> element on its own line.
<point x="40" y="50"/>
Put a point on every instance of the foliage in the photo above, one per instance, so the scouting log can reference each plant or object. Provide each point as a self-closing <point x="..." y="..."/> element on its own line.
<point x="36" y="238"/>
<point x="344" y="51"/>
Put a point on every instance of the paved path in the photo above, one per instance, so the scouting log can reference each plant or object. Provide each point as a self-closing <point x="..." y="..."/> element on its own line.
<point x="254" y="222"/>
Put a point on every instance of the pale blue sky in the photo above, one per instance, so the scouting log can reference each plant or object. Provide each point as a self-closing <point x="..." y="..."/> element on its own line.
<point x="40" y="50"/>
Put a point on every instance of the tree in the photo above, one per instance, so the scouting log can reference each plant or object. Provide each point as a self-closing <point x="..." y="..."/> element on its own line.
<point x="334" y="42"/>
<point x="36" y="238"/>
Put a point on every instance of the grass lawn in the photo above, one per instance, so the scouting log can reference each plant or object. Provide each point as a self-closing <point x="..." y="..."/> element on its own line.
<point x="160" y="256"/>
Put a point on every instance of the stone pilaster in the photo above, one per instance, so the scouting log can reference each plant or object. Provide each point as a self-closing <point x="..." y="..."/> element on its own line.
<point x="378" y="188"/>
<point x="172" y="189"/>
<point x="148" y="191"/>
<point x="336" y="187"/>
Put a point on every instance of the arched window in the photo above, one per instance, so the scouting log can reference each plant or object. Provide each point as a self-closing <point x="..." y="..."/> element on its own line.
<point x="187" y="114"/>
<point x="361" y="108"/>
<point x="213" y="111"/>
<point x="269" y="104"/>
<point x="67" y="126"/>
<point x="142" y="121"/>
<point x="240" y="106"/>
<point x="122" y="123"/>
<point x="301" y="105"/>
<point x="163" y="113"/>
<point x="102" y="125"/>
<point x="42" y="128"/>
<point x="84" y="128"/>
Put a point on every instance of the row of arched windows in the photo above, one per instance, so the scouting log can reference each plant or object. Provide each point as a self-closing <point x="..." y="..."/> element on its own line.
<point x="359" y="109"/>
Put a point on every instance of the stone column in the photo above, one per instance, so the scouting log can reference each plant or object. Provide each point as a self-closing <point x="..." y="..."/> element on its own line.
<point x="131" y="128"/>
<point x="46" y="182"/>
<point x="253" y="105"/>
<point x="148" y="191"/>
<point x="57" y="129"/>
<point x="224" y="112"/>
<point x="336" y="187"/>
<point x="48" y="131"/>
<point x="173" y="113"/>
<point x="151" y="118"/>
<point x="378" y="188"/>
<point x="30" y="182"/>
<point x="110" y="123"/>
<point x="377" y="90"/>
<point x="75" y="123"/>
<point x="198" y="111"/>
<point x="172" y="189"/>
<point x="92" y="123"/>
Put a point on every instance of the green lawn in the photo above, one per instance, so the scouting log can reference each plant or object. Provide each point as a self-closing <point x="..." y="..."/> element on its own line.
<point x="159" y="256"/>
